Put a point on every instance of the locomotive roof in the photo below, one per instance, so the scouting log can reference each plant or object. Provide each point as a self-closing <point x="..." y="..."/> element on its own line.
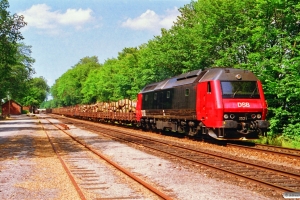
<point x="199" y="75"/>
<point x="228" y="74"/>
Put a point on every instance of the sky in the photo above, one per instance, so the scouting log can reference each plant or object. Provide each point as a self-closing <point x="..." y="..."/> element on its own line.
<point x="61" y="32"/>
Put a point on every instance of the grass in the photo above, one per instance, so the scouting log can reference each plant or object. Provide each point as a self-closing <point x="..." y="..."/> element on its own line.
<point x="279" y="141"/>
<point x="291" y="144"/>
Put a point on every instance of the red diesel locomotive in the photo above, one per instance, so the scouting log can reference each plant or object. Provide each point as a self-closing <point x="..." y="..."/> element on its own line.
<point x="224" y="103"/>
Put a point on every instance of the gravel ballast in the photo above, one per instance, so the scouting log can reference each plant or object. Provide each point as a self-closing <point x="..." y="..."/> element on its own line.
<point x="29" y="169"/>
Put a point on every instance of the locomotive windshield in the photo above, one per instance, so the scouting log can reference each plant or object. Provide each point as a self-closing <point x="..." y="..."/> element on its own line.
<point x="239" y="89"/>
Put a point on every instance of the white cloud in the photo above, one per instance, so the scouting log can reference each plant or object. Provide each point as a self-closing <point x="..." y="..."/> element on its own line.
<point x="149" y="20"/>
<point x="76" y="17"/>
<point x="41" y="17"/>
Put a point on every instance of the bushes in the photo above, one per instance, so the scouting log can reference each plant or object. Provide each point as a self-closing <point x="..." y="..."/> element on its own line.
<point x="25" y="111"/>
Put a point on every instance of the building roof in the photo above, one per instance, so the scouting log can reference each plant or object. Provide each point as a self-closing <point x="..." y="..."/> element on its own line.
<point x="12" y="101"/>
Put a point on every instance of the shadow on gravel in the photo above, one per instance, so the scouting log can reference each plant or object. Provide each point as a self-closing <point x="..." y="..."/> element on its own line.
<point x="19" y="117"/>
<point x="13" y="129"/>
<point x="25" y="146"/>
<point x="10" y="122"/>
<point x="17" y="147"/>
<point x="20" y="139"/>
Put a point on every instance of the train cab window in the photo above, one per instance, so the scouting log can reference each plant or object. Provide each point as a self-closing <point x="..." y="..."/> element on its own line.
<point x="155" y="96"/>
<point x="208" y="87"/>
<point x="240" y="89"/>
<point x="187" y="92"/>
<point x="146" y="97"/>
<point x="168" y="94"/>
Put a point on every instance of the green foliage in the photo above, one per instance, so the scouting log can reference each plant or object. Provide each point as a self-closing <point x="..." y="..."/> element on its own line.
<point x="9" y="35"/>
<point x="49" y="104"/>
<point x="67" y="89"/>
<point x="37" y="90"/>
<point x="279" y="65"/>
<point x="259" y="35"/>
<point x="280" y="141"/>
<point x="25" y="111"/>
<point x="114" y="80"/>
<point x="15" y="60"/>
<point x="20" y="74"/>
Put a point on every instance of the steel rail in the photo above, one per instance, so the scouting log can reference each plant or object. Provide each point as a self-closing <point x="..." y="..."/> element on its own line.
<point x="205" y="164"/>
<point x="228" y="171"/>
<point x="125" y="171"/>
<point x="211" y="154"/>
<point x="74" y="183"/>
<point x="208" y="165"/>
<point x="268" y="150"/>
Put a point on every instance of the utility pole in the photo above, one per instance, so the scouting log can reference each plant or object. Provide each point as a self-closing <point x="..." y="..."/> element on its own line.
<point x="8" y="108"/>
<point x="8" y="98"/>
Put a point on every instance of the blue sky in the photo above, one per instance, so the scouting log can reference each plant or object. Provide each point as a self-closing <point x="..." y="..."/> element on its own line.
<point x="61" y="32"/>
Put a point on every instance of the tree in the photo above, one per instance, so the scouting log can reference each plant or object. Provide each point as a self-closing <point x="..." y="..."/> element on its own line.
<point x="37" y="90"/>
<point x="67" y="88"/>
<point x="20" y="73"/>
<point x="15" y="60"/>
<point x="276" y="58"/>
<point x="116" y="79"/>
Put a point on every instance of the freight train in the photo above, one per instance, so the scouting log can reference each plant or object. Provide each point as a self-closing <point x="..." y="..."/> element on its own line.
<point x="223" y="103"/>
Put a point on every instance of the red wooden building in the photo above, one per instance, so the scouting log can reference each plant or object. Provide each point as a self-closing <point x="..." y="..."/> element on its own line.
<point x="11" y="108"/>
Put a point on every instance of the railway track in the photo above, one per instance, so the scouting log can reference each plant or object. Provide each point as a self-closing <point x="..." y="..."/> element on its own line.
<point x="81" y="166"/>
<point x="295" y="153"/>
<point x="275" y="178"/>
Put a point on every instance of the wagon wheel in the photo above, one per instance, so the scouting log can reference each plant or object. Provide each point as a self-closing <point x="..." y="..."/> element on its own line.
<point x="153" y="127"/>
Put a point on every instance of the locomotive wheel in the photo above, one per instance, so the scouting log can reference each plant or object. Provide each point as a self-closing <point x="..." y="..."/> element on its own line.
<point x="193" y="131"/>
<point x="147" y="127"/>
<point x="181" y="129"/>
<point x="144" y="126"/>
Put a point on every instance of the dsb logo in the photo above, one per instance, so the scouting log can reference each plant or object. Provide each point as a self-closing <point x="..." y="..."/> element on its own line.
<point x="243" y="104"/>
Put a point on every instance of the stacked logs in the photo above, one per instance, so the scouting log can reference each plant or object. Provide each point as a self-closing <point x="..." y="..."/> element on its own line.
<point x="122" y="111"/>
<point x="122" y="106"/>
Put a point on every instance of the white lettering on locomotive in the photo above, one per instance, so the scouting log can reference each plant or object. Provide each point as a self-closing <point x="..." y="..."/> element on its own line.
<point x="243" y="104"/>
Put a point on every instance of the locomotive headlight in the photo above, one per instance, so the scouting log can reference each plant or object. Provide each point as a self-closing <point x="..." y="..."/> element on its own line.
<point x="253" y="116"/>
<point x="232" y="116"/>
<point x="225" y="116"/>
<point x="238" y="77"/>
<point x="258" y="116"/>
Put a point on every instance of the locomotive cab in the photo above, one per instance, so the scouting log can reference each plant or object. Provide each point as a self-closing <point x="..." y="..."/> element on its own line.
<point x="231" y="104"/>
